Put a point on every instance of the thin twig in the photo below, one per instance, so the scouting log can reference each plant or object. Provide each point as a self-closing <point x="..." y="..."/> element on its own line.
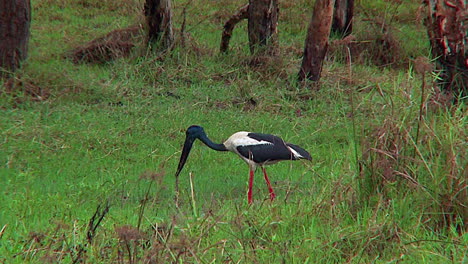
<point x="353" y="119"/>
<point x="92" y="227"/>
<point x="184" y="22"/>
<point x="192" y="193"/>
<point x="143" y="205"/>
<point x="3" y="230"/>
<point x="421" y="106"/>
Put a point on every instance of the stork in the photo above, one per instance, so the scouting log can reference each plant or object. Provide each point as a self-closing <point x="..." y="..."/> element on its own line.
<point x="256" y="149"/>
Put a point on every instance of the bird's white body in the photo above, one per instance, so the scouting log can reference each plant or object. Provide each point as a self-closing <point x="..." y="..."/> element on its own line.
<point x="241" y="139"/>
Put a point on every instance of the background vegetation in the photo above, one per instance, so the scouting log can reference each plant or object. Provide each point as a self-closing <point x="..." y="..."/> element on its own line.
<point x="88" y="151"/>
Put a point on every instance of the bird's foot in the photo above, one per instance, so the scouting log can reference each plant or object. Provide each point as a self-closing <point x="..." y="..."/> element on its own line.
<point x="272" y="196"/>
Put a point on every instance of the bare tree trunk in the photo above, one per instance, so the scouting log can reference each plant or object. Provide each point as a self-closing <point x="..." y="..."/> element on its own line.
<point x="263" y="20"/>
<point x="316" y="44"/>
<point x="446" y="23"/>
<point x="158" y="15"/>
<point x="343" y="17"/>
<point x="230" y="24"/>
<point x="15" y="19"/>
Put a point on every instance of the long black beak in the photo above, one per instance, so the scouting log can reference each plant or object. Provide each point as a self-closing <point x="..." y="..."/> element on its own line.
<point x="183" y="157"/>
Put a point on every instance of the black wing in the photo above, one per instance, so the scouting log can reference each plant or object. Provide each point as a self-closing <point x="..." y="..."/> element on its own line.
<point x="270" y="148"/>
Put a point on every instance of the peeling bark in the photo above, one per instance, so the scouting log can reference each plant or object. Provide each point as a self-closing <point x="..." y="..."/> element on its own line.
<point x="447" y="25"/>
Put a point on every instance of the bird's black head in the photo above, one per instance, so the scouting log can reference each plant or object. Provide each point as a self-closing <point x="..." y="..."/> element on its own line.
<point x="194" y="132"/>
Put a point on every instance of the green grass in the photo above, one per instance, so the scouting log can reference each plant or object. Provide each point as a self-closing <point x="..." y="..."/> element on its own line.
<point x="112" y="134"/>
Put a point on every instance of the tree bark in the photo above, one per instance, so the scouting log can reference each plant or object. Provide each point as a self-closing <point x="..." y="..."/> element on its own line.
<point x="230" y="24"/>
<point x="447" y="22"/>
<point x="158" y="15"/>
<point x="316" y="43"/>
<point x="262" y="26"/>
<point x="15" y="19"/>
<point x="343" y="17"/>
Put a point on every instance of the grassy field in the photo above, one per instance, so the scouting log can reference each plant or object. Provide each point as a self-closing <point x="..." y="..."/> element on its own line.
<point x="87" y="171"/>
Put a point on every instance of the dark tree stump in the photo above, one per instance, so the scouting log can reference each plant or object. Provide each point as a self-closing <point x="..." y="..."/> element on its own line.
<point x="15" y="19"/>
<point x="316" y="44"/>
<point x="343" y="17"/>
<point x="262" y="26"/>
<point x="158" y="15"/>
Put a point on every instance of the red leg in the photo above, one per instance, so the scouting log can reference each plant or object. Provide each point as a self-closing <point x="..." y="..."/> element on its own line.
<point x="249" y="194"/>
<point x="270" y="189"/>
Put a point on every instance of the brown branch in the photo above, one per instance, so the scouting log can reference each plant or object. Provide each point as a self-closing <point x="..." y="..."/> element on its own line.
<point x="241" y="14"/>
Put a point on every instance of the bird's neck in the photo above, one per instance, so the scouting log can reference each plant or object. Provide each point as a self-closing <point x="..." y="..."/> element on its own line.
<point x="211" y="144"/>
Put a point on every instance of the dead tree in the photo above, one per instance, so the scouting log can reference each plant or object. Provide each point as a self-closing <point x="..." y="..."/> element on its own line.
<point x="158" y="15"/>
<point x="15" y="19"/>
<point x="230" y="24"/>
<point x="263" y="20"/>
<point x="316" y="43"/>
<point x="262" y="16"/>
<point x="447" y="24"/>
<point x="343" y="17"/>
